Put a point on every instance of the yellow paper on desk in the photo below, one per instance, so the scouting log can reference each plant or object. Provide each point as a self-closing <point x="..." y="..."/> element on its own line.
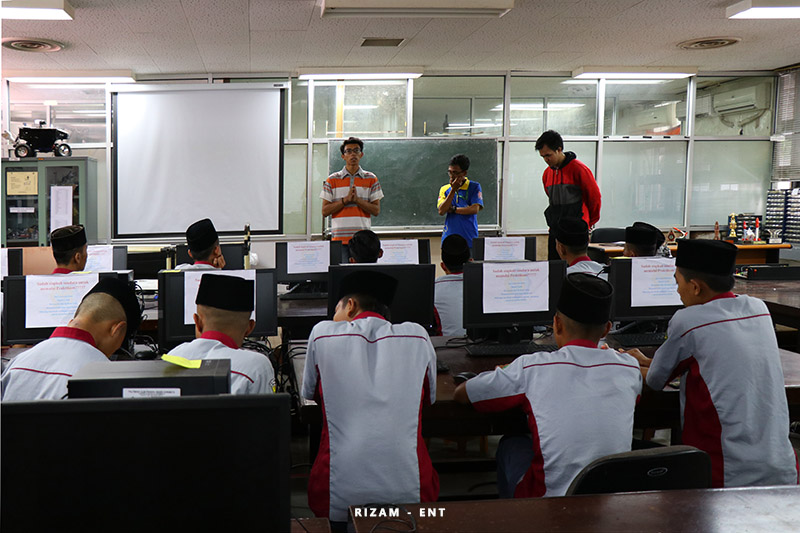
<point x="182" y="361"/>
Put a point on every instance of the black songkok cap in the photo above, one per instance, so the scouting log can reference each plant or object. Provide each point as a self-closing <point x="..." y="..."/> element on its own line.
<point x="659" y="236"/>
<point x="124" y="294"/>
<point x="572" y="231"/>
<point x="642" y="234"/>
<point x="68" y="238"/>
<point x="230" y="293"/>
<point x="585" y="298"/>
<point x="704" y="255"/>
<point x="371" y="283"/>
<point x="201" y="235"/>
<point x="455" y="250"/>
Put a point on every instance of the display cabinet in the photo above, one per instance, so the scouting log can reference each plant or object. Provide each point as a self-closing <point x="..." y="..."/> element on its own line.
<point x="42" y="194"/>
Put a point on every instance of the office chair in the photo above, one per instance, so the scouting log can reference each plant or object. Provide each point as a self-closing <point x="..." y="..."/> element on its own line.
<point x="607" y="235"/>
<point x="665" y="468"/>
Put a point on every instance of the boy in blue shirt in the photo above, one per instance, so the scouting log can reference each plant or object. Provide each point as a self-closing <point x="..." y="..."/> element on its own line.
<point x="460" y="201"/>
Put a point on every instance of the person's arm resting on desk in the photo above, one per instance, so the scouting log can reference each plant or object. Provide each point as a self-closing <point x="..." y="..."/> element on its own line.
<point x="498" y="390"/>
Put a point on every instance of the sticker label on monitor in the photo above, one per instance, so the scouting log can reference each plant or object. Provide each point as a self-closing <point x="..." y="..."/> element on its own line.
<point x="150" y="392"/>
<point x="191" y="283"/>
<point x="101" y="258"/>
<point x="307" y="257"/>
<point x="516" y="287"/>
<point x="653" y="282"/>
<point x="405" y="252"/>
<point x="504" y="249"/>
<point x="51" y="301"/>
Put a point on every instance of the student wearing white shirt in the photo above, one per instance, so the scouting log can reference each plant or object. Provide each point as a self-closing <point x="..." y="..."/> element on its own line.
<point x="371" y="378"/>
<point x="572" y="245"/>
<point x="107" y="315"/>
<point x="204" y="249"/>
<point x="579" y="399"/>
<point x="723" y="347"/>
<point x="448" y="296"/>
<point x="70" y="248"/>
<point x="222" y="321"/>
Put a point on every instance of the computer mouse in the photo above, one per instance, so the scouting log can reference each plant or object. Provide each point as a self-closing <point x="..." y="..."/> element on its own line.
<point x="463" y="376"/>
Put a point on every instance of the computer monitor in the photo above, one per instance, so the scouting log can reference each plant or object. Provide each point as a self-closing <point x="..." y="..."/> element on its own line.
<point x="282" y="264"/>
<point x="507" y="327"/>
<point x="394" y="252"/>
<point x="149" y="379"/>
<point x="147" y="265"/>
<point x="12" y="259"/>
<point x="479" y="248"/>
<point x="413" y="301"/>
<point x="15" y="309"/>
<point x="619" y="275"/>
<point x="233" y="253"/>
<point x="104" y="257"/>
<point x="202" y="463"/>
<point x="173" y="328"/>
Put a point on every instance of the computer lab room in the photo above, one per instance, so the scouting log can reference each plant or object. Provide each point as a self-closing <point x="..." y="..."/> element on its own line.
<point x="400" y="265"/>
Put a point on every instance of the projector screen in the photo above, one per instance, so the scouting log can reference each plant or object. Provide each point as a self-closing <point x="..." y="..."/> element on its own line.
<point x="183" y="155"/>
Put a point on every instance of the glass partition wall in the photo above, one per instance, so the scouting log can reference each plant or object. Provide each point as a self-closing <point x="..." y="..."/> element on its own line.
<point x="671" y="152"/>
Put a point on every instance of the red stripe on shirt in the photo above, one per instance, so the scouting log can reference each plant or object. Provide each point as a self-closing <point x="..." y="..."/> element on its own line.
<point x="61" y="270"/>
<point x="428" y="478"/>
<point x="533" y="483"/>
<point x="40" y="371"/>
<point x="369" y="341"/>
<point x="721" y="321"/>
<point x="579" y="259"/>
<point x="319" y="480"/>
<point x="67" y="332"/>
<point x="701" y="425"/>
<point x="218" y="336"/>
<point x="582" y="366"/>
<point x="243" y="374"/>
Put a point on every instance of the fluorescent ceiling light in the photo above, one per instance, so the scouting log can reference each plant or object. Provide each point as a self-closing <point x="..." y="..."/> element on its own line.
<point x="764" y="9"/>
<point x="416" y="8"/>
<point x="37" y="10"/>
<point x="634" y="82"/>
<point x="356" y="73"/>
<point x="551" y="106"/>
<point x="634" y="73"/>
<point x="70" y="76"/>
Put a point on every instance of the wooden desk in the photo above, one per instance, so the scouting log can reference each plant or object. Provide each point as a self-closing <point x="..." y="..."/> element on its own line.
<point x="749" y="254"/>
<point x="310" y="525"/>
<point x="773" y="509"/>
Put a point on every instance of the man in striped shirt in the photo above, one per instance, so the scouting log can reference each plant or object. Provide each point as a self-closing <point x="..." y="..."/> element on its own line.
<point x="351" y="196"/>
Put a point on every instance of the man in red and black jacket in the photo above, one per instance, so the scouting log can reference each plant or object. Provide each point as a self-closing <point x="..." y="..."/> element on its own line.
<point x="569" y="184"/>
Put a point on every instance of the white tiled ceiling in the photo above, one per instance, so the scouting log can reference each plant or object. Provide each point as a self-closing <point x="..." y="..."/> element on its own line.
<point x="153" y="37"/>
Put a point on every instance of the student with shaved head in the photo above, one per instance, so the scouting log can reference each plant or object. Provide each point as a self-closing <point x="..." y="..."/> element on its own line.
<point x="222" y="321"/>
<point x="106" y="316"/>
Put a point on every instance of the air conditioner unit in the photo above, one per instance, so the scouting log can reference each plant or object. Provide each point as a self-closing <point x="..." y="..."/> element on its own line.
<point x="702" y="107"/>
<point x="416" y="8"/>
<point x="744" y="99"/>
<point x="657" y="117"/>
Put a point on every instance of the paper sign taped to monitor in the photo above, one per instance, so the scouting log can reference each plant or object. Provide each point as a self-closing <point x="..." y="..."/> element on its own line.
<point x="308" y="257"/>
<point x="51" y="301"/>
<point x="191" y="283"/>
<point x="515" y="287"/>
<point x="405" y="252"/>
<point x="101" y="258"/>
<point x="504" y="249"/>
<point x="653" y="282"/>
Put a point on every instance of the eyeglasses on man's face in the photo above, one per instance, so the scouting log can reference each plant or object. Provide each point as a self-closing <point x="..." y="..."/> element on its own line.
<point x="352" y="151"/>
<point x="454" y="172"/>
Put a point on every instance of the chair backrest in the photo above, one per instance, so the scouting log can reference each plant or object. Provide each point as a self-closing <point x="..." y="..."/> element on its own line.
<point x="666" y="468"/>
<point x="607" y="235"/>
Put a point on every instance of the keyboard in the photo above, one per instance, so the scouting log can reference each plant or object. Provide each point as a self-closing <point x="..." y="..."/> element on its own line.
<point x="304" y="296"/>
<point x="509" y="350"/>
<point x="632" y="340"/>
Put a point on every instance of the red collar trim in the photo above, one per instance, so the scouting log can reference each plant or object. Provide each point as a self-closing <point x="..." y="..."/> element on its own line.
<point x="581" y="258"/>
<point x="67" y="332"/>
<point x="728" y="294"/>
<point x="221" y="337"/>
<point x="367" y="314"/>
<point x="581" y="342"/>
<point x="60" y="270"/>
<point x="203" y="263"/>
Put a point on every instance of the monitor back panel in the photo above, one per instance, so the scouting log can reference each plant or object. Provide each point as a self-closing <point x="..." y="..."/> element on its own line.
<point x="479" y="247"/>
<point x="216" y="463"/>
<point x="619" y="275"/>
<point x="282" y="264"/>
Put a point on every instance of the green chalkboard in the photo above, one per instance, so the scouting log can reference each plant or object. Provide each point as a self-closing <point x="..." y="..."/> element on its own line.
<point x="411" y="171"/>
